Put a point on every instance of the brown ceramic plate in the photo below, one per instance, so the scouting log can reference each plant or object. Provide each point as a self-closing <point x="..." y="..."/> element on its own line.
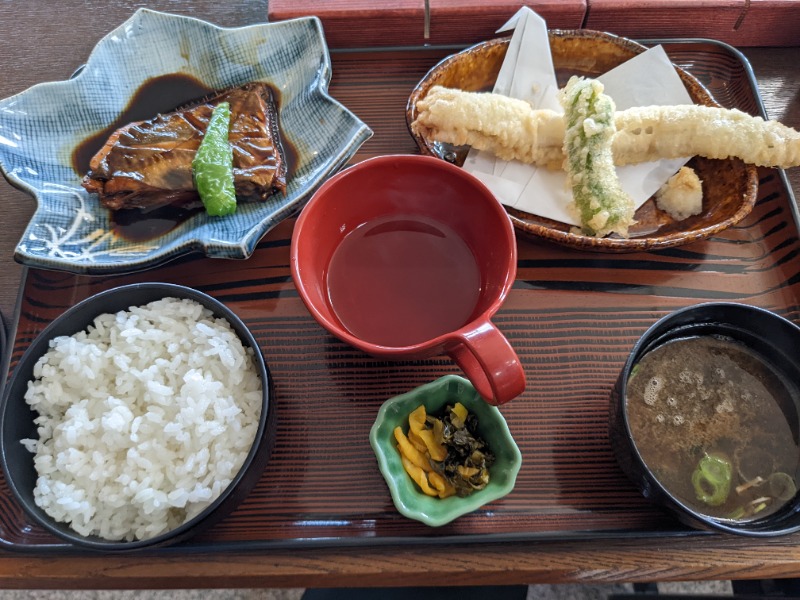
<point x="729" y="186"/>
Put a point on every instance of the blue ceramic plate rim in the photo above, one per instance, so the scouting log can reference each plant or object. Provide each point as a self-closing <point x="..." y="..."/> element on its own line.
<point x="66" y="213"/>
<point x="380" y="437"/>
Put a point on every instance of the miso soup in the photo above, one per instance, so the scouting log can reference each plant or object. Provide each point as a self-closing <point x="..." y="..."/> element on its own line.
<point x="717" y="426"/>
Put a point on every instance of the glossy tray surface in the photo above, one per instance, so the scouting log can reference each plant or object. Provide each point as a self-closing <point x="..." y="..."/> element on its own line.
<point x="572" y="316"/>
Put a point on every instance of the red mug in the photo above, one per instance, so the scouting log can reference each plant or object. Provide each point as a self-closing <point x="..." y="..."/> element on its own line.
<point x="407" y="257"/>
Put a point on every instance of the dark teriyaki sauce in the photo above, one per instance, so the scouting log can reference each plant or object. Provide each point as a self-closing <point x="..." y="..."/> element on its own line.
<point x="156" y="96"/>
<point x="136" y="225"/>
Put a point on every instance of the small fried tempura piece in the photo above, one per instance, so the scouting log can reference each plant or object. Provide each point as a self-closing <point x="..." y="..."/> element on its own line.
<point x="509" y="128"/>
<point x="603" y="205"/>
<point x="513" y="130"/>
<point x="682" y="195"/>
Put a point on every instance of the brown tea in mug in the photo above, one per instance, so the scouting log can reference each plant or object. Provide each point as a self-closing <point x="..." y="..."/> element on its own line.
<point x="717" y="425"/>
<point x="401" y="280"/>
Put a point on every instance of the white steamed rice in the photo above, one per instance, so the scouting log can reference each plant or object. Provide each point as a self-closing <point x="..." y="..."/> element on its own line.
<point x="145" y="418"/>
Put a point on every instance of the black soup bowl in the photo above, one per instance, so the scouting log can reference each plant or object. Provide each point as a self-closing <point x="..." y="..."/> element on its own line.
<point x="18" y="417"/>
<point x="709" y="461"/>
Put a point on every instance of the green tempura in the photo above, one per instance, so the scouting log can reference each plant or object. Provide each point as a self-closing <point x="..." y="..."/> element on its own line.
<point x="213" y="165"/>
<point x="589" y="115"/>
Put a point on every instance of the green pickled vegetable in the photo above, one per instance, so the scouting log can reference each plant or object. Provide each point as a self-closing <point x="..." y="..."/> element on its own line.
<point x="213" y="165"/>
<point x="466" y="465"/>
<point x="712" y="479"/>
<point x="603" y="205"/>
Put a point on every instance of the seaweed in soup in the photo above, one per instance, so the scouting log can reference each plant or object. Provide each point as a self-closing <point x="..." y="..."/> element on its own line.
<point x="717" y="425"/>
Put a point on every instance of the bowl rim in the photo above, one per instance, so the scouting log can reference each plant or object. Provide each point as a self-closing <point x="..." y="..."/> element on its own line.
<point x="543" y="228"/>
<point x="649" y="341"/>
<point x="300" y="279"/>
<point x="261" y="446"/>
<point x="459" y="507"/>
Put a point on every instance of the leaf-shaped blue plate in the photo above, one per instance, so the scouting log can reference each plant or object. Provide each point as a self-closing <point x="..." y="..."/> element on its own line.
<point x="41" y="127"/>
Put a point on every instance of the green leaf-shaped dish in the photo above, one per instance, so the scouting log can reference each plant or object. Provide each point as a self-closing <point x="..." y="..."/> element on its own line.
<point x="492" y="427"/>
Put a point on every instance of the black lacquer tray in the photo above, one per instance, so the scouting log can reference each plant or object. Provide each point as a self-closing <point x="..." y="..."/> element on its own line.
<point x="572" y="316"/>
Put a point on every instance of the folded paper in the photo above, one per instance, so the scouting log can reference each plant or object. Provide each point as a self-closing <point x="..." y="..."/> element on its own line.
<point x="528" y="73"/>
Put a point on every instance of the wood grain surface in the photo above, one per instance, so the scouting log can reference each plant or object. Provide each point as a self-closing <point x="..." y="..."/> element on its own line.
<point x="738" y="22"/>
<point x="56" y="53"/>
<point x="402" y="22"/>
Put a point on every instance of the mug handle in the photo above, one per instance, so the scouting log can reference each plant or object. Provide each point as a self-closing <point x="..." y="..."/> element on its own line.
<point x="489" y="362"/>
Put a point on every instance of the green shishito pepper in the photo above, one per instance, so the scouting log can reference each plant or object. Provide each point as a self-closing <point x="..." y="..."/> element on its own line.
<point x="589" y="113"/>
<point x="712" y="479"/>
<point x="213" y="165"/>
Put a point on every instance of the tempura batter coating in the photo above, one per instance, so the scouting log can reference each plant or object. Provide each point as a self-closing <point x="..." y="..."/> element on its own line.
<point x="512" y="129"/>
<point x="603" y="205"/>
<point x="651" y="132"/>
<point x="509" y="128"/>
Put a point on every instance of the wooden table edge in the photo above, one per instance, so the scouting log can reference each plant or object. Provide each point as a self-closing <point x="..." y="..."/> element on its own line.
<point x="715" y="557"/>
